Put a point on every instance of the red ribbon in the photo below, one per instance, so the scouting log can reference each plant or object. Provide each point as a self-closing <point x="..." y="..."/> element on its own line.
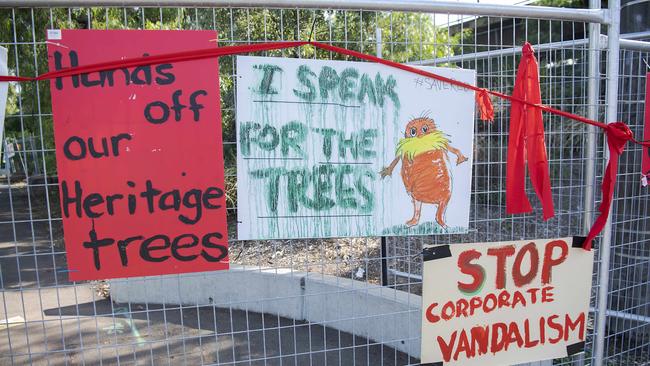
<point x="526" y="131"/>
<point x="526" y="142"/>
<point x="485" y="107"/>
<point x="618" y="134"/>
<point x="232" y="50"/>
<point x="480" y="92"/>
<point x="158" y="59"/>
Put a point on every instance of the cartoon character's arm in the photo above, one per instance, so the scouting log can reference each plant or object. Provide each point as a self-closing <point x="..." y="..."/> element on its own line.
<point x="460" y="158"/>
<point x="389" y="169"/>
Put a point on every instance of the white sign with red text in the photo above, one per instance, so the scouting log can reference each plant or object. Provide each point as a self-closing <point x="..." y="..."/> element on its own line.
<point x="505" y="303"/>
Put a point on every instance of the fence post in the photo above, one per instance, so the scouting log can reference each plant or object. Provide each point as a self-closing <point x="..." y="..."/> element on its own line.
<point x="384" y="249"/>
<point x="593" y="91"/>
<point x="613" y="45"/>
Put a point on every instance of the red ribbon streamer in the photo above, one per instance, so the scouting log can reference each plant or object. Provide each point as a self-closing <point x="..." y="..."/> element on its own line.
<point x="526" y="142"/>
<point x="158" y="59"/>
<point x="485" y="107"/>
<point x="232" y="50"/>
<point x="617" y="133"/>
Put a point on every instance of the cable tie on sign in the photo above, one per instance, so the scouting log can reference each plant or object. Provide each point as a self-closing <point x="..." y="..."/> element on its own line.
<point x="423" y="252"/>
<point x="57" y="44"/>
<point x="240" y="252"/>
<point x="313" y="27"/>
<point x="435" y="252"/>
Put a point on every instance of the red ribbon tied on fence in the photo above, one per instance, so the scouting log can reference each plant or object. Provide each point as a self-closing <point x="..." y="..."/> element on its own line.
<point x="526" y="141"/>
<point x="618" y="134"/>
<point x="485" y="107"/>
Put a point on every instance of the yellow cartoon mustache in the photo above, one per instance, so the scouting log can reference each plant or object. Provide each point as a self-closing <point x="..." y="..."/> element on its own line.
<point x="410" y="147"/>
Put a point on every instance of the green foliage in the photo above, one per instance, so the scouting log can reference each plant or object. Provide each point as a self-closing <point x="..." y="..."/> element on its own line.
<point x="563" y="3"/>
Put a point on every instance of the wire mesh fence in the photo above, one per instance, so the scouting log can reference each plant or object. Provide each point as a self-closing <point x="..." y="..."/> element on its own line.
<point x="184" y="319"/>
<point x="629" y="326"/>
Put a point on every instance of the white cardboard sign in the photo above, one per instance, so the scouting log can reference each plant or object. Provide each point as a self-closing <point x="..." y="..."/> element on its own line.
<point x="505" y="303"/>
<point x="335" y="149"/>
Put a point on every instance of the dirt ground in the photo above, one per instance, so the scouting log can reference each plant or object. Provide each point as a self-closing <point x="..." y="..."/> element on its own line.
<point x="355" y="258"/>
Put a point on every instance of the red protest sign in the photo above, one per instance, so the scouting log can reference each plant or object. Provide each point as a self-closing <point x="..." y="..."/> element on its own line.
<point x="645" y="161"/>
<point x="139" y="155"/>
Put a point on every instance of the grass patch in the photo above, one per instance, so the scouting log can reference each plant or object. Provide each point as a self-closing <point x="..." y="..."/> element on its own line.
<point x="425" y="228"/>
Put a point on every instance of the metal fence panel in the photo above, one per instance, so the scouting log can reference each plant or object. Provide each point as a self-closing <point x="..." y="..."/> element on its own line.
<point x="183" y="319"/>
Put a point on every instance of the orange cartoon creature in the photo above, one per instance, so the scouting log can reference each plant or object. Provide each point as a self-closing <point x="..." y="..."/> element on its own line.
<point x="425" y="170"/>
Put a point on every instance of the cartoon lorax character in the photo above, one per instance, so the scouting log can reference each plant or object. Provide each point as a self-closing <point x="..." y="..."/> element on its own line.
<point x="425" y="170"/>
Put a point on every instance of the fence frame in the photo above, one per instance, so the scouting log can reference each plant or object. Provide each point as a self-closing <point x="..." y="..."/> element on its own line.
<point x="595" y="16"/>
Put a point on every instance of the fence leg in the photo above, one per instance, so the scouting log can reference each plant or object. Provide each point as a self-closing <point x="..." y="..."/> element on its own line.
<point x="613" y="43"/>
<point x="384" y="265"/>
